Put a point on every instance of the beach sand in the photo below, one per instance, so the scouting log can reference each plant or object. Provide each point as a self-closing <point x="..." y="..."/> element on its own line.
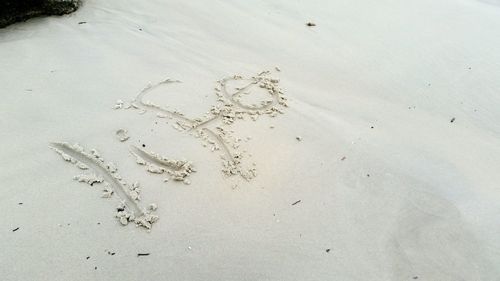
<point x="382" y="165"/>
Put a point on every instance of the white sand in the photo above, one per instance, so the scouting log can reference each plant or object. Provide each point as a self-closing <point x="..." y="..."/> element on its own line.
<point x="429" y="208"/>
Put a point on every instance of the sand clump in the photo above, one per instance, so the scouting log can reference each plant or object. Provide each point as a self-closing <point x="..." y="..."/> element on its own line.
<point x="122" y="135"/>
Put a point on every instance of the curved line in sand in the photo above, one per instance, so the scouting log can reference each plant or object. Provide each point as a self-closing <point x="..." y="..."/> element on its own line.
<point x="99" y="168"/>
<point x="140" y="100"/>
<point x="236" y="102"/>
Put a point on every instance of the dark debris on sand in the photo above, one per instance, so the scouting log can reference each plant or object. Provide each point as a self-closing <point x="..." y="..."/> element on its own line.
<point x="12" y="11"/>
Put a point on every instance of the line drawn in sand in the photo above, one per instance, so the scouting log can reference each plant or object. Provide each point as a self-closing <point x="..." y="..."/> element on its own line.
<point x="228" y="109"/>
<point x="178" y="170"/>
<point x="107" y="173"/>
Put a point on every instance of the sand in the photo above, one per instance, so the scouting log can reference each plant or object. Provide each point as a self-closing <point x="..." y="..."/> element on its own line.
<point x="382" y="166"/>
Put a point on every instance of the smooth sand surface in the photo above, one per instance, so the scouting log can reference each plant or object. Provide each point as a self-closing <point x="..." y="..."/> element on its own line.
<point x="389" y="187"/>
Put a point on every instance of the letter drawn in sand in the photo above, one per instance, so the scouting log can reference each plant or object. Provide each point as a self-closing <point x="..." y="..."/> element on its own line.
<point x="178" y="170"/>
<point x="229" y="108"/>
<point x="129" y="209"/>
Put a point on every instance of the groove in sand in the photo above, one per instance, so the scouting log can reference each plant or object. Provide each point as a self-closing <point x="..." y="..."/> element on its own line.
<point x="128" y="210"/>
<point x="178" y="169"/>
<point x="228" y="109"/>
<point x="104" y="172"/>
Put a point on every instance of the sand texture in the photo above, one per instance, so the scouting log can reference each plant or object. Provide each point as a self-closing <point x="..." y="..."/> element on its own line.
<point x="252" y="140"/>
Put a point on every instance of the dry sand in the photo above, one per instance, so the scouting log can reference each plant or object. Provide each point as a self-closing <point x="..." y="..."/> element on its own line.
<point x="384" y="166"/>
